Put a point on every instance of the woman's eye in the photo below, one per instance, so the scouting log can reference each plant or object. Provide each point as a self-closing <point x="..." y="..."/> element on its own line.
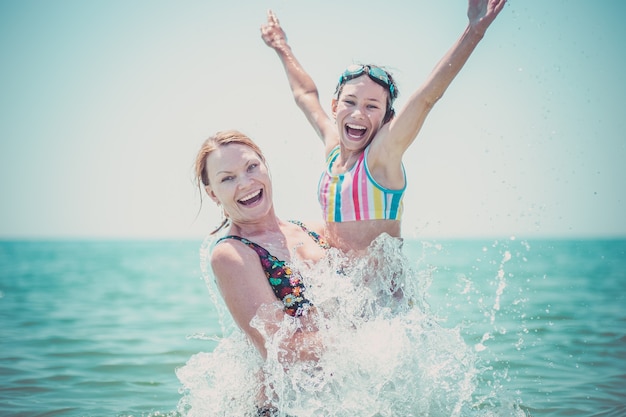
<point x="252" y="167"/>
<point x="228" y="178"/>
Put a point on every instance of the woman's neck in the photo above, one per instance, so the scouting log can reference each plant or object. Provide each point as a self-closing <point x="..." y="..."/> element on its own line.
<point x="267" y="226"/>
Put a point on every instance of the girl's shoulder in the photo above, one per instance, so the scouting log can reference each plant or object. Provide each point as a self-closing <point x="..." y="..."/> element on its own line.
<point x="331" y="142"/>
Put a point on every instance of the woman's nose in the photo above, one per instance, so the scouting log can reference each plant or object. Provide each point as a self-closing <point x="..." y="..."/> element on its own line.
<point x="244" y="180"/>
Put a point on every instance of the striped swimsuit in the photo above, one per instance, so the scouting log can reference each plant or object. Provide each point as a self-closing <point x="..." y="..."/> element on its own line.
<point x="355" y="195"/>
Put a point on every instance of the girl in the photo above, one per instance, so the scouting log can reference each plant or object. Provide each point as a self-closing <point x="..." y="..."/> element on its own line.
<point x="362" y="188"/>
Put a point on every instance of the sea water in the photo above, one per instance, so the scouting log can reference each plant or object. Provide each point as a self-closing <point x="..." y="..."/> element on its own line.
<point x="495" y="327"/>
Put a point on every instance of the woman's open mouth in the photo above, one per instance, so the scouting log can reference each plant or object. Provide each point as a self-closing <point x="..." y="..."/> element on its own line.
<point x="251" y="198"/>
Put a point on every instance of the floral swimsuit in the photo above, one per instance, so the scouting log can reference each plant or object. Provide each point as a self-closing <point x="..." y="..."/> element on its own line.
<point x="287" y="285"/>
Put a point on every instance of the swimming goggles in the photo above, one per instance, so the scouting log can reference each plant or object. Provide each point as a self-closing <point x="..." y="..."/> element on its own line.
<point x="377" y="74"/>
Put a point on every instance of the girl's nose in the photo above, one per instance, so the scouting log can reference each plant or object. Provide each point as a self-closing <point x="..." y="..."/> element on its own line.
<point x="358" y="111"/>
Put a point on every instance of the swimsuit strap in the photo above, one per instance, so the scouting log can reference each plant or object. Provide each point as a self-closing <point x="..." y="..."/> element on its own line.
<point x="285" y="282"/>
<point x="260" y="250"/>
<point x="316" y="236"/>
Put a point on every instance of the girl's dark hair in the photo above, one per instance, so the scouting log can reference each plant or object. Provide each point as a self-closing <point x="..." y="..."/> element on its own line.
<point x="392" y="93"/>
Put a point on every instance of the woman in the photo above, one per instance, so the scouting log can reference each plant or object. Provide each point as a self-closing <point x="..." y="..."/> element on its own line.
<point x="251" y="263"/>
<point x="362" y="187"/>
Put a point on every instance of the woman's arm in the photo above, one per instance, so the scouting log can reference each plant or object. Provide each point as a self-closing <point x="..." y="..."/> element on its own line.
<point x="246" y="291"/>
<point x="303" y="87"/>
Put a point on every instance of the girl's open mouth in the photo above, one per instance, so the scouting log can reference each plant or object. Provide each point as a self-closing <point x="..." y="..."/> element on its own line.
<point x="355" y="132"/>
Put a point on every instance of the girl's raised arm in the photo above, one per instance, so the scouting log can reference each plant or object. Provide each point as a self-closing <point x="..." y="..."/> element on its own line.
<point x="303" y="87"/>
<point x="404" y="128"/>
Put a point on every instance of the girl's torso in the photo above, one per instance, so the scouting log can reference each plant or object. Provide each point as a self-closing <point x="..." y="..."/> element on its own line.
<point x="356" y="208"/>
<point x="354" y="194"/>
<point x="357" y="236"/>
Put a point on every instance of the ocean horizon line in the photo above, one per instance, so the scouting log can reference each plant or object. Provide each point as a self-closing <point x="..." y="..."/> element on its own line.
<point x="188" y="238"/>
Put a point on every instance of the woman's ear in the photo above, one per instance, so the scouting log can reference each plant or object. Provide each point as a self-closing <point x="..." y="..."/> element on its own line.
<point x="211" y="194"/>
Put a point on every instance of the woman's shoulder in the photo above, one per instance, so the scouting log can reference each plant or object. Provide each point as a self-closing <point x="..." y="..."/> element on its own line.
<point x="227" y="251"/>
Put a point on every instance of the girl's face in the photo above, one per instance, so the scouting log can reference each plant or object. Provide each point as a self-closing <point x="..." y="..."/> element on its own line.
<point x="359" y="111"/>
<point x="240" y="182"/>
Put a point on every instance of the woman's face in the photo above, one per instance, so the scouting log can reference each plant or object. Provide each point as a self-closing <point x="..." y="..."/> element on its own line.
<point x="240" y="182"/>
<point x="359" y="112"/>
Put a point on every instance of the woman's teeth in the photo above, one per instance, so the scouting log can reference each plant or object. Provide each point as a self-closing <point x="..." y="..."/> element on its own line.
<point x="251" y="198"/>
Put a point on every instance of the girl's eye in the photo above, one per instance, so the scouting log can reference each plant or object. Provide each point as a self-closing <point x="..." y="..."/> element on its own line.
<point x="350" y="102"/>
<point x="227" y="178"/>
<point x="252" y="167"/>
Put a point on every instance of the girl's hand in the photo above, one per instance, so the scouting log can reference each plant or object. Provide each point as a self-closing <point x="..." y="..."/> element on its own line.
<point x="273" y="35"/>
<point x="482" y="12"/>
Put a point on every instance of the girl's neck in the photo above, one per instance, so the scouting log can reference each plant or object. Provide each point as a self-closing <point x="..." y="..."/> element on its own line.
<point x="347" y="159"/>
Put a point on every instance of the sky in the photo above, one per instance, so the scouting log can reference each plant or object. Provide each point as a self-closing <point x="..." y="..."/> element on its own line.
<point x="104" y="104"/>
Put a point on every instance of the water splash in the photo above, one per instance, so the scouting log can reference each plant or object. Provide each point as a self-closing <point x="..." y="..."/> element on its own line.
<point x="501" y="285"/>
<point x="381" y="351"/>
